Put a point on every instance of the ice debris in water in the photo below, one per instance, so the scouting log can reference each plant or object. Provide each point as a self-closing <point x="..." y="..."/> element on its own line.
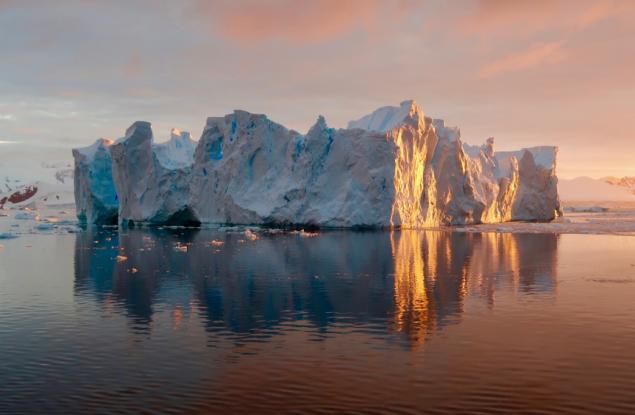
<point x="179" y="247"/>
<point x="250" y="235"/>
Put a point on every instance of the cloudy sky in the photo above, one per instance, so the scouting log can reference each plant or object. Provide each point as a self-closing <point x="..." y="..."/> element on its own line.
<point x="526" y="72"/>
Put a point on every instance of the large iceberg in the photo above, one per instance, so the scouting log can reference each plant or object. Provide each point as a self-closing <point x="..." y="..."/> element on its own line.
<point x="393" y="168"/>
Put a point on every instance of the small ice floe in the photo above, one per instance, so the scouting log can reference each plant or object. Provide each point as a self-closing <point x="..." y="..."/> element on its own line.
<point x="7" y="235"/>
<point x="250" y="235"/>
<point x="585" y="209"/>
<point x="44" y="226"/>
<point x="58" y="221"/>
<point x="26" y="215"/>
<point x="179" y="247"/>
<point x="133" y="270"/>
<point x="305" y="234"/>
<point x="612" y="280"/>
<point x="121" y="258"/>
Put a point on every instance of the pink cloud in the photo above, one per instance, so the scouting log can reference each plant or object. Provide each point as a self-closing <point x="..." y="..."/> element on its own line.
<point x="522" y="18"/>
<point x="513" y="18"/>
<point x="603" y="11"/>
<point x="535" y="56"/>
<point x="298" y="21"/>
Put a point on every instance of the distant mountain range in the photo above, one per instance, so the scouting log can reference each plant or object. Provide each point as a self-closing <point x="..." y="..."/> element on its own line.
<point x="604" y="189"/>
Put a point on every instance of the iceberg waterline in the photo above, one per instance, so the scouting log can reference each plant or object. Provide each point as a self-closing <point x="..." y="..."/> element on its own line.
<point x="392" y="168"/>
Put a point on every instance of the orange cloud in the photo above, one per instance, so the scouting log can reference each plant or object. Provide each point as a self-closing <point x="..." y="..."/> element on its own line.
<point x="298" y="20"/>
<point x="535" y="56"/>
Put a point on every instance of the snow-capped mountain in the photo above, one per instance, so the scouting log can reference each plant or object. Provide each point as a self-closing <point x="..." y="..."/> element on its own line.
<point x="35" y="176"/>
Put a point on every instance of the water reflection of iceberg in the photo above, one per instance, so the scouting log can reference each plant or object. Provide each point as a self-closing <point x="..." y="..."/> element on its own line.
<point x="436" y="271"/>
<point x="405" y="282"/>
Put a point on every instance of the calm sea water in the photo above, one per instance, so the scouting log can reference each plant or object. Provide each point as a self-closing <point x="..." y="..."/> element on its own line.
<point x="405" y="322"/>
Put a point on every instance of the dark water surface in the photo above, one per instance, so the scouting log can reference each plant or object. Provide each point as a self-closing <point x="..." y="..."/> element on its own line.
<point x="406" y="322"/>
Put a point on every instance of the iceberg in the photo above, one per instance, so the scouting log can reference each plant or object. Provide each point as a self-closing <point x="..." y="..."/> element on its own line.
<point x="153" y="180"/>
<point x="96" y="200"/>
<point x="393" y="168"/>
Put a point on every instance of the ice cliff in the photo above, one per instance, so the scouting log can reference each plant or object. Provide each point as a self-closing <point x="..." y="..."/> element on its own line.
<point x="95" y="195"/>
<point x="392" y="168"/>
<point x="153" y="180"/>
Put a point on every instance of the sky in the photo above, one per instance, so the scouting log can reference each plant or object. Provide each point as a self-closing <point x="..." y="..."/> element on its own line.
<point x="526" y="72"/>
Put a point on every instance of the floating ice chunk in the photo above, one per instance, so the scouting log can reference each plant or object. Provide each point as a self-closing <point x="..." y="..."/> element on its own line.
<point x="585" y="209"/>
<point x="179" y="247"/>
<point x="26" y="215"/>
<point x="44" y="226"/>
<point x="250" y="235"/>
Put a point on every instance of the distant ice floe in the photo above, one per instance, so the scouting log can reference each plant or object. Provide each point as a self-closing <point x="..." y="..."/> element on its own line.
<point x="618" y="219"/>
<point x="585" y="209"/>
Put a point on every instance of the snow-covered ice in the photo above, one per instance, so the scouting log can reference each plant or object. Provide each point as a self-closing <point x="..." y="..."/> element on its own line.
<point x="178" y="152"/>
